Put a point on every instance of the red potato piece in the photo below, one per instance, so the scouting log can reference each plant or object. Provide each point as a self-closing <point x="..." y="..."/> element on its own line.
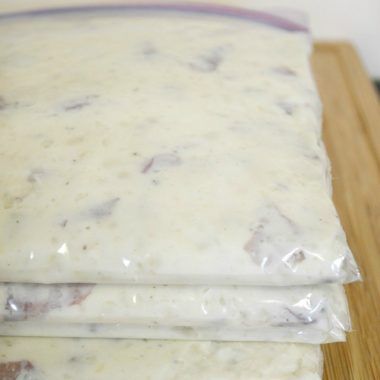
<point x="160" y="161"/>
<point x="262" y="243"/>
<point x="104" y="209"/>
<point x="284" y="70"/>
<point x="25" y="302"/>
<point x="210" y="60"/>
<point x="80" y="103"/>
<point x="80" y="293"/>
<point x="12" y="370"/>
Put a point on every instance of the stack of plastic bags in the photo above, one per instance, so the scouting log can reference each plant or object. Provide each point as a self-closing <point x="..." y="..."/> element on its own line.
<point x="163" y="179"/>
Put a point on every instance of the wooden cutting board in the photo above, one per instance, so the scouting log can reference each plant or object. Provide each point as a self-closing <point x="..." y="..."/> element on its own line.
<point x="352" y="136"/>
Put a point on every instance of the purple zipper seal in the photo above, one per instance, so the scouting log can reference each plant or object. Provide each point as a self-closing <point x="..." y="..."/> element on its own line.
<point x="260" y="17"/>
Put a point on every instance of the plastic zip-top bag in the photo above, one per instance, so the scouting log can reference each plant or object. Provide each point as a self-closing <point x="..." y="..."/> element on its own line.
<point x="55" y="359"/>
<point x="278" y="334"/>
<point x="299" y="314"/>
<point x="163" y="144"/>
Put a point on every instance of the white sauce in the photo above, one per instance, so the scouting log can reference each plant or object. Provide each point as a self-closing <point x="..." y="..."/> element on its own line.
<point x="163" y="149"/>
<point x="72" y="359"/>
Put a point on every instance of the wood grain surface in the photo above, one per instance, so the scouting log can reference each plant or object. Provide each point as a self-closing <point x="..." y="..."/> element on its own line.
<point x="352" y="137"/>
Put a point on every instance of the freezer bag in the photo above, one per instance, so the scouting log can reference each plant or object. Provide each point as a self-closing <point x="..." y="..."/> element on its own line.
<point x="56" y="359"/>
<point x="163" y="144"/>
<point x="307" y="314"/>
<point x="274" y="333"/>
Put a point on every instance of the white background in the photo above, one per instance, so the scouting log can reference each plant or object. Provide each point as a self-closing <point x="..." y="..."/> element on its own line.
<point x="357" y="21"/>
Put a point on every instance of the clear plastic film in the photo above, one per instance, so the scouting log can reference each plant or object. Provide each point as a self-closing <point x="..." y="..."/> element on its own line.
<point x="180" y="147"/>
<point x="303" y="335"/>
<point x="55" y="359"/>
<point x="303" y="314"/>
